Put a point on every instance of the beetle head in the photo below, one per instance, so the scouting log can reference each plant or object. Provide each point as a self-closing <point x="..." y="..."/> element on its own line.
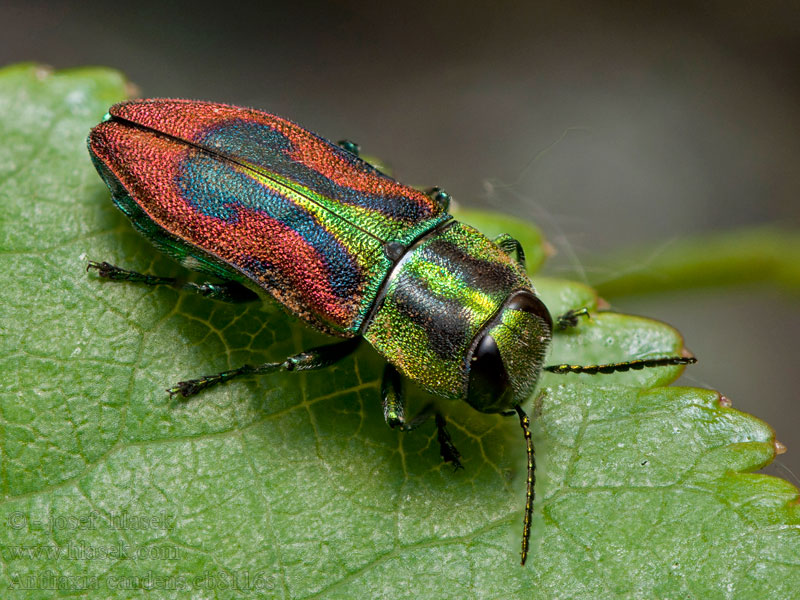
<point x="507" y="354"/>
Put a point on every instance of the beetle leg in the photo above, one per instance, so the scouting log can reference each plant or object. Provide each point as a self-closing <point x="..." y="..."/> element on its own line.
<point x="449" y="452"/>
<point x="115" y="273"/>
<point x="439" y="196"/>
<point x="316" y="358"/>
<point x="570" y="318"/>
<point x="353" y="148"/>
<point x="447" y="449"/>
<point x="349" y="146"/>
<point x="394" y="405"/>
<point x="511" y="245"/>
<point x="420" y="418"/>
<point x="228" y="291"/>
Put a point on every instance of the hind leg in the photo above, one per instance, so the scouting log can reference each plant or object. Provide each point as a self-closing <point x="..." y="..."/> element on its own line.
<point x="228" y="291"/>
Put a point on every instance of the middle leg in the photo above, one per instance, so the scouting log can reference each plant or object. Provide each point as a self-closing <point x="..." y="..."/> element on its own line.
<point x="316" y="358"/>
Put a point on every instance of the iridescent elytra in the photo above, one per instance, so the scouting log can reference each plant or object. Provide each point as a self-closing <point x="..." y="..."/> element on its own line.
<point x="271" y="210"/>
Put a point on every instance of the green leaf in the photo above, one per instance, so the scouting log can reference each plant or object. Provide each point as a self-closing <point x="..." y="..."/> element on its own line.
<point x="758" y="255"/>
<point x="291" y="485"/>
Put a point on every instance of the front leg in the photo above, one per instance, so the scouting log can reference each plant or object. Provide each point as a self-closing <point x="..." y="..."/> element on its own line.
<point x="511" y="245"/>
<point x="447" y="449"/>
<point x="570" y="318"/>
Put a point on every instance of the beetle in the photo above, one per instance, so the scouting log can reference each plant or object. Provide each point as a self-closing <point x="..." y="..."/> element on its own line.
<point x="275" y="211"/>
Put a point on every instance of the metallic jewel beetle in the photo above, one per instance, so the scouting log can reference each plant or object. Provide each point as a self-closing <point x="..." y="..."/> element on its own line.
<point x="276" y="211"/>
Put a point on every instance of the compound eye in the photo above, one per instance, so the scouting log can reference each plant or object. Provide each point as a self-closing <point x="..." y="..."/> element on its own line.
<point x="488" y="379"/>
<point x="531" y="304"/>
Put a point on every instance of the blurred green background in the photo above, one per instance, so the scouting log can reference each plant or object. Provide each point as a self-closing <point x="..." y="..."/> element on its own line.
<point x="609" y="124"/>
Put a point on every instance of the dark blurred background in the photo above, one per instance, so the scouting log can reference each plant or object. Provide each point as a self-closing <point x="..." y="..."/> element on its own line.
<point x="608" y="124"/>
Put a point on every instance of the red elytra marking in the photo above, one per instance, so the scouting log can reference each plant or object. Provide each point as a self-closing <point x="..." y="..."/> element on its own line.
<point x="189" y="120"/>
<point x="148" y="168"/>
